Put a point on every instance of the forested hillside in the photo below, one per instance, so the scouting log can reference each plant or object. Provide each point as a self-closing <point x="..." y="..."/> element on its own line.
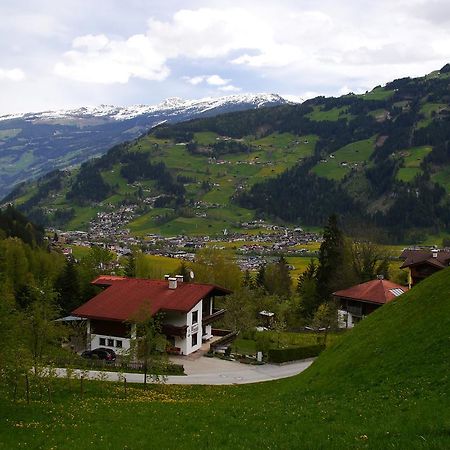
<point x="381" y="159"/>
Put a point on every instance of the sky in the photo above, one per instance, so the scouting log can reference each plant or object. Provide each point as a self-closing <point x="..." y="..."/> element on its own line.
<point x="68" y="53"/>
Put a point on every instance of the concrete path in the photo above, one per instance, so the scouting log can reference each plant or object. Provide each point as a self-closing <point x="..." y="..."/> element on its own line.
<point x="208" y="371"/>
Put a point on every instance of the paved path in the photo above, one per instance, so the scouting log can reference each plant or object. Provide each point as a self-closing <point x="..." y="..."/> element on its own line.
<point x="210" y="371"/>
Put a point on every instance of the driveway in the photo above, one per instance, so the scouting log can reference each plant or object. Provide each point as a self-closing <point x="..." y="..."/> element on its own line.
<point x="211" y="371"/>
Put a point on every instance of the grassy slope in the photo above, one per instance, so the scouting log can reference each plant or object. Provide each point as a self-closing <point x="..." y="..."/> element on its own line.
<point x="354" y="155"/>
<point x="384" y="385"/>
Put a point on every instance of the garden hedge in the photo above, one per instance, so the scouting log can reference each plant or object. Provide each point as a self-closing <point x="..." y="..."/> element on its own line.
<point x="281" y="355"/>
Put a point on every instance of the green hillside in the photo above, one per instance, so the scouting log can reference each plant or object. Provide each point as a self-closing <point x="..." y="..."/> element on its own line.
<point x="378" y="159"/>
<point x="385" y="384"/>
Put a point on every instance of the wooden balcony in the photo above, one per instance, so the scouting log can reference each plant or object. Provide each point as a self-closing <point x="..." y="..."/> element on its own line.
<point x="217" y="314"/>
<point x="173" y="330"/>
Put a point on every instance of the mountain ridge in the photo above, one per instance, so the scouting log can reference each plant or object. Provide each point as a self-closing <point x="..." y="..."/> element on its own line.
<point x="33" y="144"/>
<point x="381" y="160"/>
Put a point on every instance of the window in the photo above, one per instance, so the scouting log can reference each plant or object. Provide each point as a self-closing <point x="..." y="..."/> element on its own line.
<point x="110" y="342"/>
<point x="119" y="344"/>
<point x="194" y="339"/>
<point x="102" y="341"/>
<point x="194" y="317"/>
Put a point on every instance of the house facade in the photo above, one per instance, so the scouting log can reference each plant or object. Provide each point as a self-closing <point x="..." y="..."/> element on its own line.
<point x="424" y="262"/>
<point x="186" y="311"/>
<point x="358" y="301"/>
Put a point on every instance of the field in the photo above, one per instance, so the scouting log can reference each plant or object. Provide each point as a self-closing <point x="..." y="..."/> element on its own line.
<point x="412" y="158"/>
<point x="284" y="339"/>
<point x="270" y="156"/>
<point x="443" y="178"/>
<point x="332" y="115"/>
<point x="429" y="110"/>
<point x="385" y="384"/>
<point x="350" y="157"/>
<point x="10" y="133"/>
<point x="378" y="93"/>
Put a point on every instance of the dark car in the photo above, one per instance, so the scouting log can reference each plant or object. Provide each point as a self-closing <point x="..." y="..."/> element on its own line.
<point x="100" y="353"/>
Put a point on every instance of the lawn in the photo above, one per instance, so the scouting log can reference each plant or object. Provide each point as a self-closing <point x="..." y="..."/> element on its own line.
<point x="284" y="340"/>
<point x="384" y="384"/>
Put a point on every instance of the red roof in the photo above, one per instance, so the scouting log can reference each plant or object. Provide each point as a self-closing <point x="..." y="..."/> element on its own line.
<point x="125" y="296"/>
<point x="375" y="291"/>
<point x="437" y="258"/>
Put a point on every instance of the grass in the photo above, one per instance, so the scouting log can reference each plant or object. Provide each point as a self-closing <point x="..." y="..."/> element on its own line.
<point x="412" y="158"/>
<point x="284" y="340"/>
<point x="333" y="114"/>
<point x="429" y="110"/>
<point x="384" y="384"/>
<point x="442" y="176"/>
<point x="10" y="133"/>
<point x="347" y="158"/>
<point x="379" y="93"/>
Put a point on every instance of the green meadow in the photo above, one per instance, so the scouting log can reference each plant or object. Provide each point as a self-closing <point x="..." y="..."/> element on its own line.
<point x="342" y="161"/>
<point x="384" y="384"/>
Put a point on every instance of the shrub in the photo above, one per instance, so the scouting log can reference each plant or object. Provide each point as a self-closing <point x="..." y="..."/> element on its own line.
<point x="281" y="355"/>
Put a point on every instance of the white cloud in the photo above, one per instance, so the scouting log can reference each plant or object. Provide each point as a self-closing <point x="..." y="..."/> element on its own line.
<point x="216" y="80"/>
<point x="230" y="88"/>
<point x="195" y="80"/>
<point x="97" y="59"/>
<point x="12" y="74"/>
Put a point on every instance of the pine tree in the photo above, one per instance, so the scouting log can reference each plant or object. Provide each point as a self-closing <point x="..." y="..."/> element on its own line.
<point x="260" y="277"/>
<point x="68" y="288"/>
<point x="307" y="289"/>
<point x="331" y="259"/>
<point x="248" y="282"/>
<point x="130" y="266"/>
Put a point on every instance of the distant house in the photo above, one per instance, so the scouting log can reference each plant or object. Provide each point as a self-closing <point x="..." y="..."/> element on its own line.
<point x="423" y="262"/>
<point x="358" y="301"/>
<point x="187" y="311"/>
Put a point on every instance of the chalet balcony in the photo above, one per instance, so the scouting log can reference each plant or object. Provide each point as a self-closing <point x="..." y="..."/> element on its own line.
<point x="217" y="314"/>
<point x="173" y="330"/>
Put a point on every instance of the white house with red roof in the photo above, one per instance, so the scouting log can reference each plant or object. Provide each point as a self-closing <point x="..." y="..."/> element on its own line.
<point x="187" y="311"/>
<point x="358" y="301"/>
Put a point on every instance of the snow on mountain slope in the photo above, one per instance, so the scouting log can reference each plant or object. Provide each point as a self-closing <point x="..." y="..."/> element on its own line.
<point x="33" y="144"/>
<point x="170" y="106"/>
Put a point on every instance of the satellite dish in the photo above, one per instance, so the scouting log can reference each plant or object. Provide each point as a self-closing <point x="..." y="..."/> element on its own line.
<point x="191" y="275"/>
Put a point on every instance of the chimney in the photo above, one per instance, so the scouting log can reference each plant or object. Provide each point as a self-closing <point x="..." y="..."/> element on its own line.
<point x="166" y="277"/>
<point x="434" y="252"/>
<point x="172" y="283"/>
<point x="179" y="278"/>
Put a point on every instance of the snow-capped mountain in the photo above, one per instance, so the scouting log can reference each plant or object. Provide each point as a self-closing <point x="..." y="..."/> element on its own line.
<point x="35" y="143"/>
<point x="171" y="106"/>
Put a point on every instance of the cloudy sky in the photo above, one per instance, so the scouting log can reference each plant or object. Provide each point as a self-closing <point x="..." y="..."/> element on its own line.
<point x="69" y="53"/>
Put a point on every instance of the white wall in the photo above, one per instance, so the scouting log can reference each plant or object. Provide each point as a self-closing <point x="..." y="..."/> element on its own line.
<point x="95" y="343"/>
<point x="192" y="327"/>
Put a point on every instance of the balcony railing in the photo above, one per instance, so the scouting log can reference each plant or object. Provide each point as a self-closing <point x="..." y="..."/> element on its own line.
<point x="217" y="314"/>
<point x="173" y="330"/>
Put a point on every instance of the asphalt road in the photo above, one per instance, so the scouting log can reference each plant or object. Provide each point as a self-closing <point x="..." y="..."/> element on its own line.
<point x="209" y="371"/>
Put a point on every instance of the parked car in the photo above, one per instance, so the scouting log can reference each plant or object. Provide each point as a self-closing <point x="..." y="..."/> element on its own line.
<point x="100" y="353"/>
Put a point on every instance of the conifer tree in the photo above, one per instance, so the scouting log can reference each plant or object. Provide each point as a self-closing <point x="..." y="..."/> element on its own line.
<point x="68" y="288"/>
<point x="331" y="259"/>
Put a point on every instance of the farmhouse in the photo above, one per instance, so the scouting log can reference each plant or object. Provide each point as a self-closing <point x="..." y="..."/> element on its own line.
<point x="358" y="301"/>
<point x="186" y="310"/>
<point x="424" y="262"/>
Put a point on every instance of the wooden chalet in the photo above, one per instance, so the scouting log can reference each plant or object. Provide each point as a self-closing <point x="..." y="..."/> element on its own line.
<point x="358" y="301"/>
